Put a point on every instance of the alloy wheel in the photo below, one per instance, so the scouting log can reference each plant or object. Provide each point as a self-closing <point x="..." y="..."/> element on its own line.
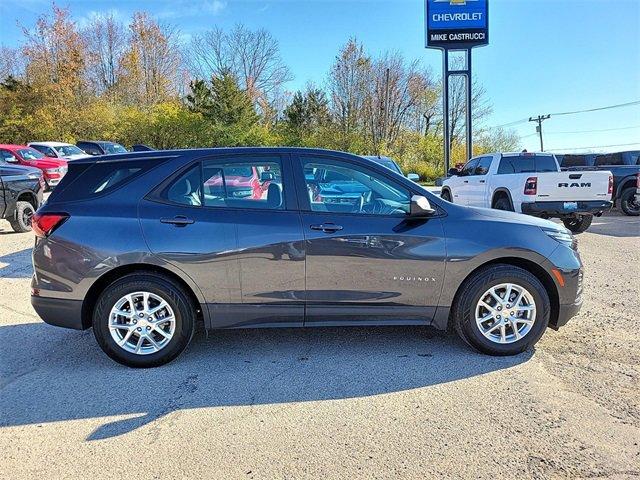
<point x="505" y="313"/>
<point x="142" y="323"/>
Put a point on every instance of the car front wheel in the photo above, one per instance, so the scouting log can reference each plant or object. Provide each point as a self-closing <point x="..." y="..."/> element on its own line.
<point x="144" y="320"/>
<point x="501" y="310"/>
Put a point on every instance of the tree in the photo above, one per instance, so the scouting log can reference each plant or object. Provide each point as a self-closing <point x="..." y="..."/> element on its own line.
<point x="253" y="57"/>
<point x="230" y="104"/>
<point x="200" y="99"/>
<point x="348" y="81"/>
<point x="105" y="40"/>
<point x="150" y="67"/>
<point x="307" y="111"/>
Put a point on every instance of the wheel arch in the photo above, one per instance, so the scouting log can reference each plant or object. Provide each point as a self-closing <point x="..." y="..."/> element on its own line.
<point x="28" y="196"/>
<point x="626" y="182"/>
<point x="532" y="267"/>
<point x="91" y="297"/>
<point x="448" y="190"/>
<point x="499" y="193"/>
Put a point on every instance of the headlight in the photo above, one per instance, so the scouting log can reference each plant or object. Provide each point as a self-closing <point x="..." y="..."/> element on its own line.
<point x="52" y="170"/>
<point x="564" y="237"/>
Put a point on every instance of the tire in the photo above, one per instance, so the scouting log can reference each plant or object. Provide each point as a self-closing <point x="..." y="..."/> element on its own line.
<point x="579" y="223"/>
<point x="628" y="204"/>
<point x="157" y="286"/>
<point x="21" y="223"/>
<point x="446" y="196"/>
<point x="503" y="203"/>
<point x="463" y="313"/>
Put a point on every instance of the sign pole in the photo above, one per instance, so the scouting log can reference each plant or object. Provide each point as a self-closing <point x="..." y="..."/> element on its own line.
<point x="445" y="111"/>
<point x="458" y="25"/>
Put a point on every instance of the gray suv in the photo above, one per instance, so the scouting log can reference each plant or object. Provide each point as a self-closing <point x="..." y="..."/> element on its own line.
<point x="143" y="246"/>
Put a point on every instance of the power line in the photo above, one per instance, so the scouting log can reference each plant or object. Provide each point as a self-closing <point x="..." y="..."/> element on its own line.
<point x="593" y="131"/>
<point x="596" y="146"/>
<point x="607" y="107"/>
<point x="628" y="104"/>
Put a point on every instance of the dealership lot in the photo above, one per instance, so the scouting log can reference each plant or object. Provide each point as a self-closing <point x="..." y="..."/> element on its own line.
<point x="335" y="403"/>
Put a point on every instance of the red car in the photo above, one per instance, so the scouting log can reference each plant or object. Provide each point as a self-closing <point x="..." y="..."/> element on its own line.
<point x="53" y="169"/>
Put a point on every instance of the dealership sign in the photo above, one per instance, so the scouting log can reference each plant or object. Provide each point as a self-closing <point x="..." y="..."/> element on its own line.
<point x="457" y="24"/>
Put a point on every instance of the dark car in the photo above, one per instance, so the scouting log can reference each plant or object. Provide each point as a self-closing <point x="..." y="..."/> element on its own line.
<point x="20" y="194"/>
<point x="100" y="147"/>
<point x="143" y="246"/>
<point x="625" y="167"/>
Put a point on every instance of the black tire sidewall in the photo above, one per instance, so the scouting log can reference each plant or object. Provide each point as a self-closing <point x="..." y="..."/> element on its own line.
<point x="584" y="222"/>
<point x="625" y="199"/>
<point x="16" y="223"/>
<point x="446" y="196"/>
<point x="167" y="289"/>
<point x="479" y="284"/>
<point x="504" y="203"/>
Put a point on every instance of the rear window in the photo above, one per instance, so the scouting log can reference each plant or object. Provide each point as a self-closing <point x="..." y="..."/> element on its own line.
<point x="574" y="161"/>
<point x="610" y="159"/>
<point x="527" y="164"/>
<point x="84" y="181"/>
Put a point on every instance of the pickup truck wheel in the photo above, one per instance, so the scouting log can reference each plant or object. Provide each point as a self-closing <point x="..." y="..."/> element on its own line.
<point x="579" y="223"/>
<point x="144" y="320"/>
<point x="445" y="195"/>
<point x="21" y="223"/>
<point x="503" y="203"/>
<point x="628" y="203"/>
<point x="501" y="310"/>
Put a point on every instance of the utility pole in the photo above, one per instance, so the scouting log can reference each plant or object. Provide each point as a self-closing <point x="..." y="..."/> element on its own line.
<point x="539" y="119"/>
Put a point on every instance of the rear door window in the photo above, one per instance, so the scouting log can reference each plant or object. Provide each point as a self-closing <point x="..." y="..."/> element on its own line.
<point x="482" y="168"/>
<point x="546" y="163"/>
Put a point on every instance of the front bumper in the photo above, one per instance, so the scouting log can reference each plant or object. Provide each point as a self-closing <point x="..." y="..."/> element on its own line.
<point x="59" y="311"/>
<point x="559" y="209"/>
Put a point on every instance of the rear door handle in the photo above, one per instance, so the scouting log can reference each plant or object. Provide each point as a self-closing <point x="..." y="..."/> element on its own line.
<point x="482" y="181"/>
<point x="327" y="227"/>
<point x="178" y="221"/>
<point x="465" y="181"/>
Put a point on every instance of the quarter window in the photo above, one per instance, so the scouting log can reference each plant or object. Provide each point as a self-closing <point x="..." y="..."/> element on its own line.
<point x="338" y="187"/>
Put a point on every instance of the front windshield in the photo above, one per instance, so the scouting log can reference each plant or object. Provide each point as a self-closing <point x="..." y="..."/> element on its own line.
<point x="68" y="150"/>
<point x="114" y="148"/>
<point x="30" y="154"/>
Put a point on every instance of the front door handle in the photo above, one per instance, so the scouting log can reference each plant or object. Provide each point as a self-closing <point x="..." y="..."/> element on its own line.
<point x="482" y="181"/>
<point x="327" y="227"/>
<point x="465" y="181"/>
<point x="178" y="221"/>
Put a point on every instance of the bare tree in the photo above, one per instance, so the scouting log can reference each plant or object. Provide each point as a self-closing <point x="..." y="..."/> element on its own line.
<point x="150" y="68"/>
<point x="106" y="43"/>
<point x="11" y="63"/>
<point x="348" y="87"/>
<point x="253" y="57"/>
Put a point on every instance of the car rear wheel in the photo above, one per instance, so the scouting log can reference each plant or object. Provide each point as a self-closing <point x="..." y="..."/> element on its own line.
<point x="579" y="223"/>
<point x="503" y="203"/>
<point x="501" y="310"/>
<point x="628" y="203"/>
<point x="144" y="320"/>
<point x="21" y="223"/>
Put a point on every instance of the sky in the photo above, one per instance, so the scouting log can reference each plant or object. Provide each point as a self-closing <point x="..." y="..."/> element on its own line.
<point x="544" y="56"/>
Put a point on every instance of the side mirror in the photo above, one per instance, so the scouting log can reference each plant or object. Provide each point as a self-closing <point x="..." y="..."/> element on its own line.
<point x="414" y="177"/>
<point x="420" y="207"/>
<point x="267" y="176"/>
<point x="453" y="172"/>
<point x="11" y="159"/>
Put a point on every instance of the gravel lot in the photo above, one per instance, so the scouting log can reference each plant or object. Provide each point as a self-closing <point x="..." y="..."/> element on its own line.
<point x="331" y="403"/>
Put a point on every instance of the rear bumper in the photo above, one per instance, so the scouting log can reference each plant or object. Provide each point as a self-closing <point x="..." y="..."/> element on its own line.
<point x="553" y="209"/>
<point x="59" y="312"/>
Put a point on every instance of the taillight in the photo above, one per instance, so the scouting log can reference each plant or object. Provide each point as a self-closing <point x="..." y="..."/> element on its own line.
<point x="531" y="186"/>
<point x="45" y="223"/>
<point x="610" y="191"/>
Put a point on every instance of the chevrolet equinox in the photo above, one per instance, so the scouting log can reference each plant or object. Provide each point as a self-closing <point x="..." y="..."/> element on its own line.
<point x="143" y="246"/>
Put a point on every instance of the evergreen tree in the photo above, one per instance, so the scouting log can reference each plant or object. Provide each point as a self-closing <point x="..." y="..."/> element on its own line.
<point x="230" y="105"/>
<point x="200" y="99"/>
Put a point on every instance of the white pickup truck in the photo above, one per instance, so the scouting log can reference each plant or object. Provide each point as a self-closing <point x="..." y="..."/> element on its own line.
<point x="531" y="183"/>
